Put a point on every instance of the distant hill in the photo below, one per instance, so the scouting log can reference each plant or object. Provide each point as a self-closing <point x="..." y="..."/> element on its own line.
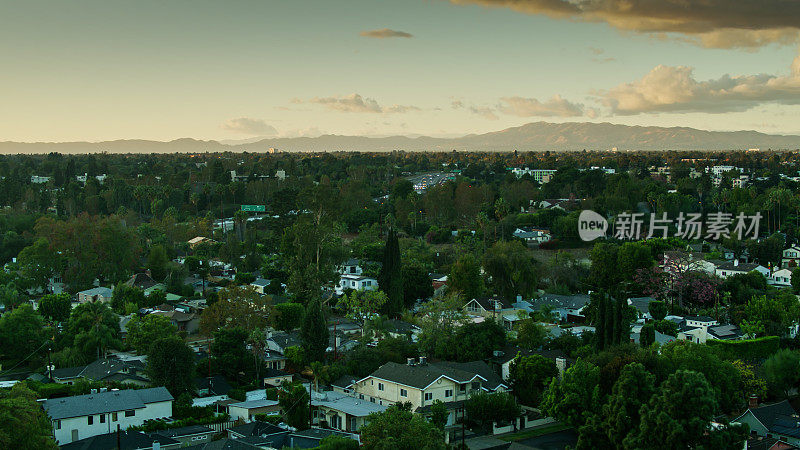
<point x="537" y="136"/>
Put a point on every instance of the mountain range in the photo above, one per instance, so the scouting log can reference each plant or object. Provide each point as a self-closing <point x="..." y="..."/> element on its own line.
<point x="538" y="136"/>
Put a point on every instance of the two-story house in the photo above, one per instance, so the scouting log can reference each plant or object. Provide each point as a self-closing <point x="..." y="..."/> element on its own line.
<point x="98" y="294"/>
<point x="82" y="416"/>
<point x="356" y="282"/>
<point x="421" y="384"/>
<point x="791" y="257"/>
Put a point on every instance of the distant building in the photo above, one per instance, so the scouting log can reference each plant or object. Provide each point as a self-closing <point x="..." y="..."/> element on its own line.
<point x="98" y="294"/>
<point x="36" y="179"/>
<point x="356" y="282"/>
<point x="540" y="175"/>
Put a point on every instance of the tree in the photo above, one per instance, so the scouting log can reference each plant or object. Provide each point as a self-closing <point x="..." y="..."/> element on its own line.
<point x="397" y="428"/>
<point x="144" y="331"/>
<point x="485" y="408"/>
<point x="293" y="400"/>
<point x="23" y="422"/>
<point x="576" y="396"/>
<point x="390" y="277"/>
<point x="529" y="375"/>
<point x="631" y="257"/>
<point x="603" y="271"/>
<point x="361" y="306"/>
<point x="511" y="268"/>
<point x="314" y="332"/>
<point x="230" y="353"/>
<point x="287" y="316"/>
<point x="634" y="388"/>
<point x="21" y="332"/>
<point x="657" y="310"/>
<point x="170" y="363"/>
<point x="312" y="248"/>
<point x="38" y="262"/>
<point x="465" y="277"/>
<point x="782" y="371"/>
<point x="9" y="296"/>
<point x="531" y="334"/>
<point x="334" y="442"/>
<point x="679" y="416"/>
<point x="93" y="328"/>
<point x="416" y="284"/>
<point x="439" y="414"/>
<point x="157" y="262"/>
<point x="127" y="295"/>
<point x="55" y="307"/>
<point x="238" y="306"/>
<point x="647" y="336"/>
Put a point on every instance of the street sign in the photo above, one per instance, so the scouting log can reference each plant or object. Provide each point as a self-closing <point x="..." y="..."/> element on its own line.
<point x="254" y="208"/>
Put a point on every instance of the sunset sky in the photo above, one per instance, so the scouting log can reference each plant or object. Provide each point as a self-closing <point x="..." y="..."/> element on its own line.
<point x="112" y="69"/>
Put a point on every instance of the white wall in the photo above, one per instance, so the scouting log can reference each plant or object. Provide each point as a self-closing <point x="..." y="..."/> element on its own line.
<point x="150" y="411"/>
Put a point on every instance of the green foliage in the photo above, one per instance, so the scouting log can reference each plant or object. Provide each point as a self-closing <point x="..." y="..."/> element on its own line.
<point x="287" y="316"/>
<point x="170" y="363"/>
<point x="314" y="332"/>
<point x="647" y="336"/>
<point x="633" y="388"/>
<point x="531" y="334"/>
<point x="293" y="399"/>
<point x="667" y="327"/>
<point x="485" y="408"/>
<point x="55" y="307"/>
<point x="21" y="332"/>
<point x="334" y="442"/>
<point x="416" y="284"/>
<point x="92" y="329"/>
<point x="465" y="277"/>
<point x="746" y="349"/>
<point x="397" y="428"/>
<point x="576" y="396"/>
<point x="230" y="353"/>
<point x="439" y="414"/>
<point x="157" y="262"/>
<point x="512" y="269"/>
<point x="124" y="294"/>
<point x="144" y="331"/>
<point x="529" y="375"/>
<point x="363" y="305"/>
<point x="782" y="371"/>
<point x="770" y="317"/>
<point x="390" y="278"/>
<point x="657" y="310"/>
<point x="23" y="422"/>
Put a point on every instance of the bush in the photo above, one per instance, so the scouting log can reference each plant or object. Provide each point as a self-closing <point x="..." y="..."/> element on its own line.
<point x="237" y="394"/>
<point x="747" y="350"/>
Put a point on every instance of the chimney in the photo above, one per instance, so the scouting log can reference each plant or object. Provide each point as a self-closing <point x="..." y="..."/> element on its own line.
<point x="410" y="361"/>
<point x="423" y="360"/>
<point x="752" y="401"/>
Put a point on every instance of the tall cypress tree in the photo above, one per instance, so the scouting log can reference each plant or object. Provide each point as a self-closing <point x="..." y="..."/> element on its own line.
<point x="609" y="327"/>
<point x="390" y="278"/>
<point x="600" y="323"/>
<point x="314" y="332"/>
<point x="617" y="321"/>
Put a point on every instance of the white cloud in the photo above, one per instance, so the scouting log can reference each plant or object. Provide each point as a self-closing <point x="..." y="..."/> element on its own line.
<point x="556" y="106"/>
<point x="247" y="125"/>
<point x="357" y="103"/>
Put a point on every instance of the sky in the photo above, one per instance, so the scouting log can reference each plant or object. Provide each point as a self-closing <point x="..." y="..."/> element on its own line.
<point x="91" y="70"/>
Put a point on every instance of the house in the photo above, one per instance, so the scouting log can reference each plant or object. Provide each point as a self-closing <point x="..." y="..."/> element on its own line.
<point x="342" y="412"/>
<point x="81" y="416"/>
<point x="104" y="369"/>
<point x="247" y="410"/>
<point x="356" y="282"/>
<point x="144" y="282"/>
<point x="398" y="328"/>
<point x="487" y="307"/>
<point x="782" y="278"/>
<point x="125" y="440"/>
<point x="274" y="360"/>
<point x="642" y="306"/>
<point x="661" y="338"/>
<point x="567" y="308"/>
<point x="351" y="267"/>
<point x="260" y="285"/>
<point x="276" y="377"/>
<point x="280" y="341"/>
<point x="262" y="435"/>
<point x="438" y="283"/>
<point x="421" y="384"/>
<point x="734" y="267"/>
<point x="344" y="384"/>
<point x="188" y="322"/>
<point x="189" y="435"/>
<point x="195" y="241"/>
<point x="778" y="420"/>
<point x="98" y="294"/>
<point x="699" y="329"/>
<point x="505" y="357"/>
<point x="533" y="236"/>
<point x="791" y="257"/>
<point x="210" y="386"/>
<point x="756" y="442"/>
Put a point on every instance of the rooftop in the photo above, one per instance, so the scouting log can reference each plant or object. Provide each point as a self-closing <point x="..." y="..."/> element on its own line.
<point x="104" y="402"/>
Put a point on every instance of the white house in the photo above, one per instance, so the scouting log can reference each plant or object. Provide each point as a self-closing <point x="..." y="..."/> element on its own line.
<point x="734" y="267"/>
<point x="791" y="257"/>
<point x="248" y="409"/>
<point x="700" y="329"/>
<point x="356" y="282"/>
<point x="782" y="277"/>
<point x="533" y="235"/>
<point x="351" y="267"/>
<point x="260" y="285"/>
<point x="36" y="179"/>
<point x="81" y="416"/>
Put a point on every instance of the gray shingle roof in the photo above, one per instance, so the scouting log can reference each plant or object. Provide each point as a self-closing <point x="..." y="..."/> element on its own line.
<point x="420" y="376"/>
<point x="576" y="301"/>
<point x="128" y="440"/>
<point x="768" y="414"/>
<point x="493" y="380"/>
<point x="104" y="402"/>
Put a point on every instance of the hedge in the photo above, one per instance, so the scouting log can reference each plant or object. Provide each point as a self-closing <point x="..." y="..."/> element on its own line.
<point x="749" y="349"/>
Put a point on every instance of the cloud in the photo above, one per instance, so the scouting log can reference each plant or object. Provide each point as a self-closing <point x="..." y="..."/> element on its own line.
<point x="385" y="33"/>
<point x="556" y="106"/>
<point x="246" y="125"/>
<point x="357" y="103"/>
<point x="710" y="23"/>
<point x="457" y="104"/>
<point x="487" y="113"/>
<point x="674" y="89"/>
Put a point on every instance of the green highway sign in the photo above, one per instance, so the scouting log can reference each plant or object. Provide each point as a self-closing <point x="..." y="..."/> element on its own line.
<point x="254" y="208"/>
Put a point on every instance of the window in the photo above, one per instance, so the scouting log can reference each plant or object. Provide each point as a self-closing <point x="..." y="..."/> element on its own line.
<point x="403" y="393"/>
<point x="372" y="399"/>
<point x="462" y="387"/>
<point x="428" y="396"/>
<point x="102" y="418"/>
<point x="91" y="420"/>
<point x="476" y="385"/>
<point x="448" y="393"/>
<point x="114" y="417"/>
<point x="361" y="396"/>
<point x="380" y="386"/>
<point x="130" y="413"/>
<point x="58" y="424"/>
